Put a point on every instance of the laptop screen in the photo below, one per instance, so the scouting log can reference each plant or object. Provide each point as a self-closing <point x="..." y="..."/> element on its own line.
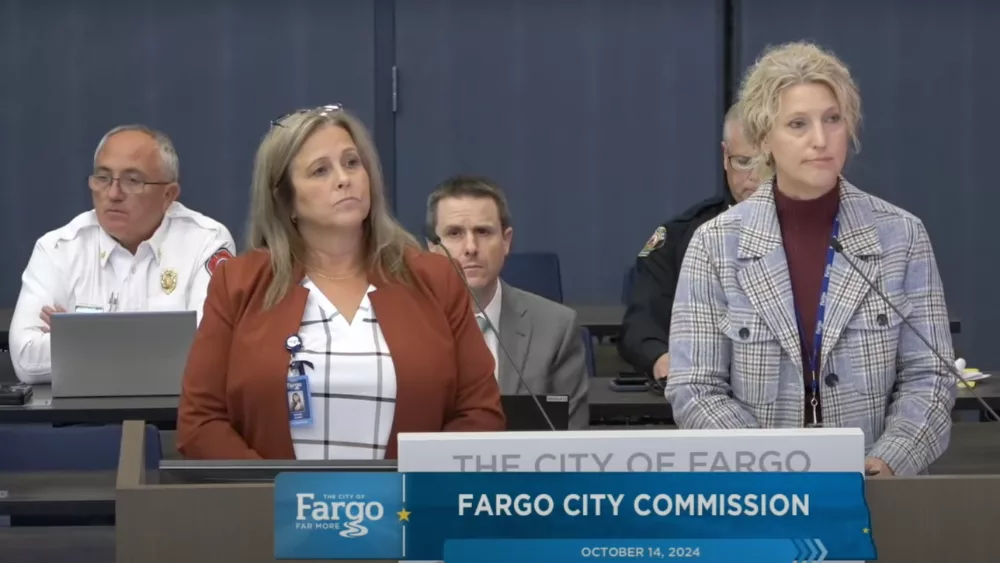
<point x="523" y="415"/>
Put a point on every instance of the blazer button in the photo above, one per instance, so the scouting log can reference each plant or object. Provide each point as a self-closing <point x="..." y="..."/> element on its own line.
<point x="882" y="320"/>
<point x="744" y="333"/>
<point x="831" y="380"/>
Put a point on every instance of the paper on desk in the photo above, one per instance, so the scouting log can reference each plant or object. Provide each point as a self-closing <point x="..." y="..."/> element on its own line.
<point x="972" y="374"/>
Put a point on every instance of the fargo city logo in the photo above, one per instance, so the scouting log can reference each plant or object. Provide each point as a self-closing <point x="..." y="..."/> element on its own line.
<point x="345" y="512"/>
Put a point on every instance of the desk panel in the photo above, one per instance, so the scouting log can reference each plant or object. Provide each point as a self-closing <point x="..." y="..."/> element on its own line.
<point x="974" y="450"/>
<point x="44" y="544"/>
<point x="161" y="411"/>
<point x="64" y="493"/>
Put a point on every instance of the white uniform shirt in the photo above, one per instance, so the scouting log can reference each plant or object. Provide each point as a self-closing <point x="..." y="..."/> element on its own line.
<point x="352" y="382"/>
<point x="79" y="267"/>
<point x="492" y="311"/>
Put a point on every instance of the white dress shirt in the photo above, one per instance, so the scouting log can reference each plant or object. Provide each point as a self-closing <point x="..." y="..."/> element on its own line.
<point x="492" y="310"/>
<point x="79" y="267"/>
<point x="352" y="382"/>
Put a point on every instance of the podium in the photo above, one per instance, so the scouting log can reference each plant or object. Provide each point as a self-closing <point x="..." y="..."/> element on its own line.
<point x="161" y="519"/>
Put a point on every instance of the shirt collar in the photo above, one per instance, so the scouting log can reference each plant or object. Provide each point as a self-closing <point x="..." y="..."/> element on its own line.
<point x="492" y="309"/>
<point x="366" y="302"/>
<point x="155" y="243"/>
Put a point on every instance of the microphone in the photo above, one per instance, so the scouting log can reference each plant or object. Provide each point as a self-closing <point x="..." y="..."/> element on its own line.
<point x="839" y="249"/>
<point x="436" y="240"/>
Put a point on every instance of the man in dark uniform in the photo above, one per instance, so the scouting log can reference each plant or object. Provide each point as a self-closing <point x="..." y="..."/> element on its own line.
<point x="646" y="326"/>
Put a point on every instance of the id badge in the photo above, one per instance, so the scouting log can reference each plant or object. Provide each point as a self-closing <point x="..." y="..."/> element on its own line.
<point x="88" y="309"/>
<point x="299" y="401"/>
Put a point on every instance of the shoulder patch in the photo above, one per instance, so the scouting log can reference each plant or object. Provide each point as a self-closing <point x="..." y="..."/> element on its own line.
<point x="654" y="242"/>
<point x="220" y="256"/>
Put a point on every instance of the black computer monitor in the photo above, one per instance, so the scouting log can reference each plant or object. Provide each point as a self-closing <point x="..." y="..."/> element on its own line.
<point x="523" y="415"/>
<point x="190" y="472"/>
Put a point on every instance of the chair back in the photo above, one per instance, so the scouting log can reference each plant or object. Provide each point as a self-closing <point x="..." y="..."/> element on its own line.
<point x="41" y="447"/>
<point x="535" y="272"/>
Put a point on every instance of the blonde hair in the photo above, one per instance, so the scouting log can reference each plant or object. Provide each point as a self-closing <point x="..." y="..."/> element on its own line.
<point x="271" y="201"/>
<point x="781" y="67"/>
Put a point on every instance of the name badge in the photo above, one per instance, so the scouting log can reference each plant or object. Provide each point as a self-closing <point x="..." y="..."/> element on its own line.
<point x="299" y="401"/>
<point x="88" y="309"/>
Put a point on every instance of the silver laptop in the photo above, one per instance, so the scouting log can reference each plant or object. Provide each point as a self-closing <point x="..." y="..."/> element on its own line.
<point x="120" y="354"/>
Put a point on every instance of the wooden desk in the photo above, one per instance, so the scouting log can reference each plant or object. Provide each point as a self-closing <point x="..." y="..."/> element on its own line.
<point x="603" y="321"/>
<point x="634" y="407"/>
<point x="79" y="544"/>
<point x="974" y="450"/>
<point x="66" y="493"/>
<point x="161" y="411"/>
<point x="641" y="407"/>
<point x="988" y="389"/>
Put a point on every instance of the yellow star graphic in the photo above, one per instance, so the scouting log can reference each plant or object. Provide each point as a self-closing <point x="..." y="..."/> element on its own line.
<point x="865" y="531"/>
<point x="404" y="515"/>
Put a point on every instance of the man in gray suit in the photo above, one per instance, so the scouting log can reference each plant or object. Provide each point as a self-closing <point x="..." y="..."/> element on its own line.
<point x="471" y="217"/>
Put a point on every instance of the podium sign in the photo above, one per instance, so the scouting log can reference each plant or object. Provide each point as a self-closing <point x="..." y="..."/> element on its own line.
<point x="756" y="450"/>
<point x="770" y="450"/>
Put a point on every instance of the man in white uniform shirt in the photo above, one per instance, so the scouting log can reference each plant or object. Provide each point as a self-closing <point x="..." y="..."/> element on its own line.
<point x="137" y="250"/>
<point x="471" y="217"/>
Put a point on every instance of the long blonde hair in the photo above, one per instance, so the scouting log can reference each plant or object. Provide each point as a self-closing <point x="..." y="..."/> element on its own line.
<point x="781" y="67"/>
<point x="272" y="194"/>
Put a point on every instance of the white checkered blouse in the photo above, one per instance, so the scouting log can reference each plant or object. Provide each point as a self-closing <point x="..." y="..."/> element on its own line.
<point x="352" y="382"/>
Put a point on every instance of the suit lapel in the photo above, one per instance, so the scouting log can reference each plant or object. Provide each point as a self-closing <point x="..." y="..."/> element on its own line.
<point x="860" y="241"/>
<point x="394" y="308"/>
<point x="515" y="332"/>
<point x="765" y="278"/>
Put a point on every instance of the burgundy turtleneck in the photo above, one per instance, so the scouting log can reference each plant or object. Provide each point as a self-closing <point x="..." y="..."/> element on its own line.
<point x="806" y="227"/>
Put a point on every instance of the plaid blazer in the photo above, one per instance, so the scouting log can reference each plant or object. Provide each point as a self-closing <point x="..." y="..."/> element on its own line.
<point x="735" y="360"/>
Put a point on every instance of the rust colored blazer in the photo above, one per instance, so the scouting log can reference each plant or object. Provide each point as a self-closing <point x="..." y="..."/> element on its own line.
<point x="233" y="402"/>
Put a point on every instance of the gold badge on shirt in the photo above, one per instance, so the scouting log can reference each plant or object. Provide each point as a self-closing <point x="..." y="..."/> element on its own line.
<point x="168" y="281"/>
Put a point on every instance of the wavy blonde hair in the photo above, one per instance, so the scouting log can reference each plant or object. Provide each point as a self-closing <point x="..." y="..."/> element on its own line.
<point x="272" y="194"/>
<point x="782" y="67"/>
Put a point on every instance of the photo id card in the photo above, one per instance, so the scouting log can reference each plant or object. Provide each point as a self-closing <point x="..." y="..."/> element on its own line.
<point x="299" y="401"/>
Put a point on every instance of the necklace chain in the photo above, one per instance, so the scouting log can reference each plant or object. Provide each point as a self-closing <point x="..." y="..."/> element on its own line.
<point x="343" y="277"/>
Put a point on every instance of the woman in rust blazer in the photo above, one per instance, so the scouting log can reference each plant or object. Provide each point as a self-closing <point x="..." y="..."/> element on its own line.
<point x="335" y="332"/>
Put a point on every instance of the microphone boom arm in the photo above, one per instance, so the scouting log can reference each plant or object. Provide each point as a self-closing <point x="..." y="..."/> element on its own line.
<point x="839" y="249"/>
<point x="437" y="242"/>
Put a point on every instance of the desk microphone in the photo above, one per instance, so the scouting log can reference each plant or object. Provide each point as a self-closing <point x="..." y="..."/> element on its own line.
<point x="436" y="240"/>
<point x="839" y="249"/>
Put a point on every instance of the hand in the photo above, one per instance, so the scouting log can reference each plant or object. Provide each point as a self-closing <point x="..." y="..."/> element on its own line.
<point x="662" y="367"/>
<point x="46" y="316"/>
<point x="875" y="467"/>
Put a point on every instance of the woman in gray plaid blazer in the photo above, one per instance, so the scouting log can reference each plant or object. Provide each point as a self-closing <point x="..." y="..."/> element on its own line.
<point x="773" y="329"/>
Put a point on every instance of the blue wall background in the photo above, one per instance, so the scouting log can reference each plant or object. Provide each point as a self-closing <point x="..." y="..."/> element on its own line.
<point x="600" y="118"/>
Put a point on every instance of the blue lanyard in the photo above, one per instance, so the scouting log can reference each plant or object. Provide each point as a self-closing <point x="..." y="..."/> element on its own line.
<point x="820" y="315"/>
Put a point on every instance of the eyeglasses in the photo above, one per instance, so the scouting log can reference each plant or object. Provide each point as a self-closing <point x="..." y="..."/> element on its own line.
<point x="742" y="163"/>
<point x="322" y="110"/>
<point x="128" y="184"/>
